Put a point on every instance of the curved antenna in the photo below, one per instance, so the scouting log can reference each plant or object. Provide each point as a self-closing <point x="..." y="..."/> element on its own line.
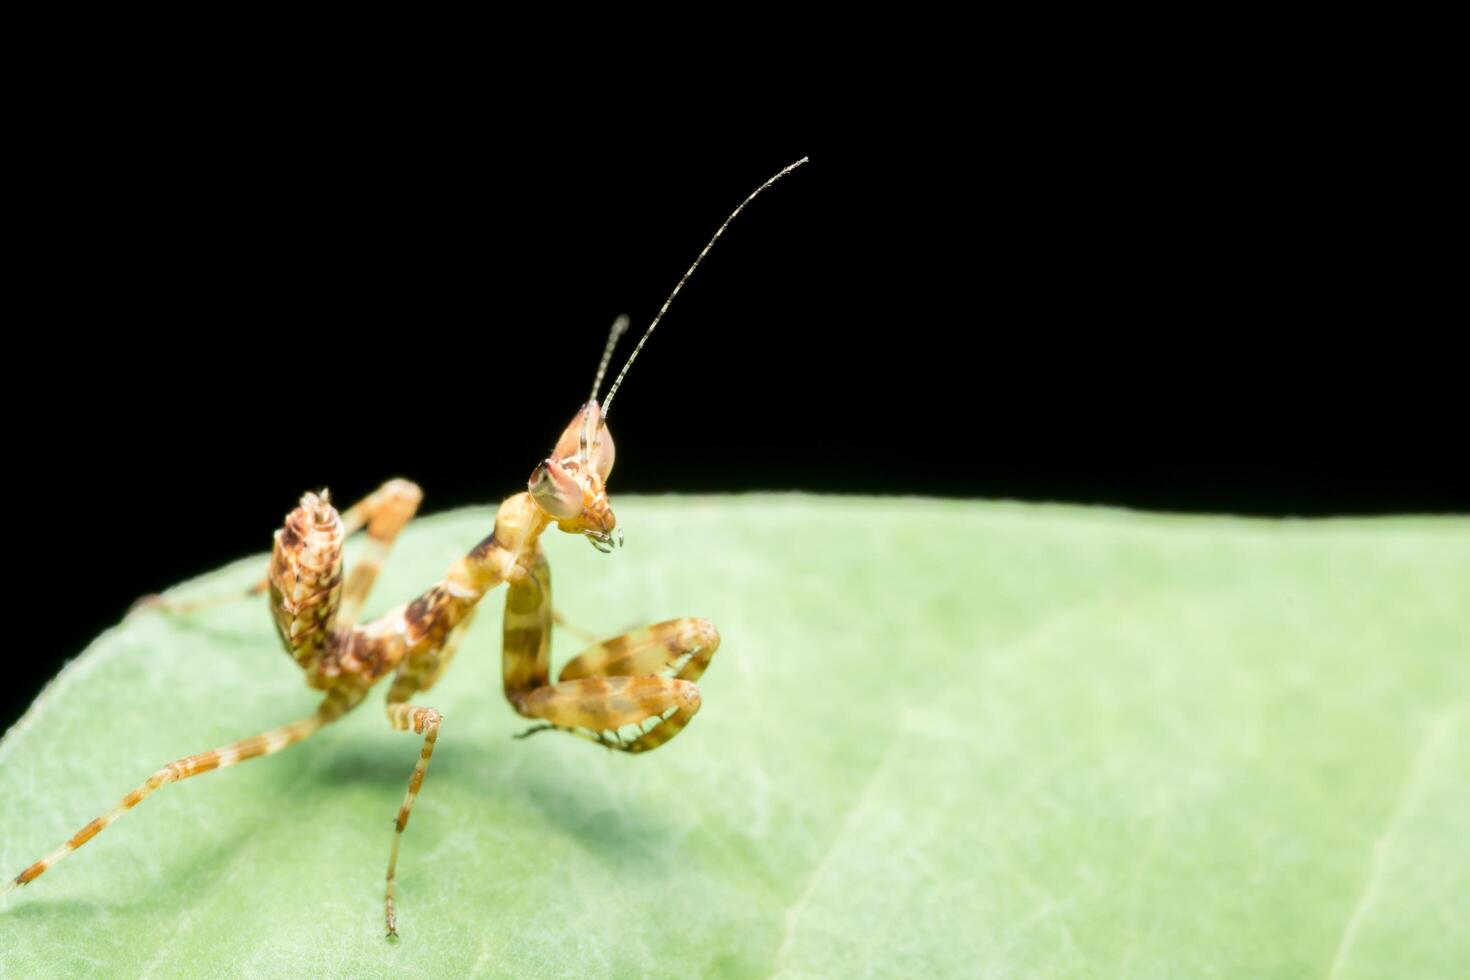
<point x="619" y="327"/>
<point x="685" y="278"/>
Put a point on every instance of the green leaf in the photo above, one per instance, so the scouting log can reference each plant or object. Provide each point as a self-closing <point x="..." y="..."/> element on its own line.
<point x="951" y="739"/>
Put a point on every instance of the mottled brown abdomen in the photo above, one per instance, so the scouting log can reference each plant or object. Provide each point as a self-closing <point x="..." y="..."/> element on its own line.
<point x="306" y="579"/>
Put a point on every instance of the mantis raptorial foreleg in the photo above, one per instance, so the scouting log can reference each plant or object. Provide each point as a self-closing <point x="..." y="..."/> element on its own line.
<point x="638" y="687"/>
<point x="679" y="648"/>
<point x="633" y="692"/>
<point x="634" y="714"/>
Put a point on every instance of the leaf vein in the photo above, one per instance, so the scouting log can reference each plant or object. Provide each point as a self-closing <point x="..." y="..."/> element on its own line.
<point x="795" y="910"/>
<point x="1412" y="778"/>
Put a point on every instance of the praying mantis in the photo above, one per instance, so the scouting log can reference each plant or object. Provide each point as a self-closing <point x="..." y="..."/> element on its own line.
<point x="631" y="693"/>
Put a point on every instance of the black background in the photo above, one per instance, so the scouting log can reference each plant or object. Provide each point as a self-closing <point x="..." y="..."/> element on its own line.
<point x="221" y="302"/>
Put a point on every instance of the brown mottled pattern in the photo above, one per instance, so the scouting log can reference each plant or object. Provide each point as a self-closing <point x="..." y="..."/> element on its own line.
<point x="425" y="720"/>
<point x="649" y="651"/>
<point x="426" y="663"/>
<point x="526" y="636"/>
<point x="368" y="656"/>
<point x="306" y="578"/>
<point x="430" y="617"/>
<point x="488" y="544"/>
<point x="603" y="705"/>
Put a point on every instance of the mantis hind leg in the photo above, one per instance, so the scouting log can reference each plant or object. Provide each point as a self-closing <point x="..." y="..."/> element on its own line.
<point x="336" y="704"/>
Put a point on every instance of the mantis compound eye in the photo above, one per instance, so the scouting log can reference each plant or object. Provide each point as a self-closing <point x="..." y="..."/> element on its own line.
<point x="555" y="490"/>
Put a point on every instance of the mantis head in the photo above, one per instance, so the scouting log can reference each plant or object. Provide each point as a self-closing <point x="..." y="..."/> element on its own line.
<point x="569" y="486"/>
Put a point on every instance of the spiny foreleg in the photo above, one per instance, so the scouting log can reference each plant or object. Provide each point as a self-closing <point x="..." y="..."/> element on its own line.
<point x="633" y="692"/>
<point x="266" y="743"/>
<point x="634" y="714"/>
<point x="679" y="648"/>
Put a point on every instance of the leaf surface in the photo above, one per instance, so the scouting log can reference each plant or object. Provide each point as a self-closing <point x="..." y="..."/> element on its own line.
<point x="940" y="738"/>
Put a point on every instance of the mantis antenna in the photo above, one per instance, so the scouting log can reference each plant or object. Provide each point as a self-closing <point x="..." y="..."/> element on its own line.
<point x="682" y="280"/>
<point x="619" y="327"/>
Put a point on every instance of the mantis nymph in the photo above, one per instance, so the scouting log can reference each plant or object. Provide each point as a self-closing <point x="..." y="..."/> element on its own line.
<point x="632" y="693"/>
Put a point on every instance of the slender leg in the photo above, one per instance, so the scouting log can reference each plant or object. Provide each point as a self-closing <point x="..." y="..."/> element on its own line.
<point x="385" y="512"/>
<point x="164" y="604"/>
<point x="582" y="633"/>
<point x="418" y="674"/>
<point x="336" y="704"/>
<point x="423" y="721"/>
<point x="586" y="636"/>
